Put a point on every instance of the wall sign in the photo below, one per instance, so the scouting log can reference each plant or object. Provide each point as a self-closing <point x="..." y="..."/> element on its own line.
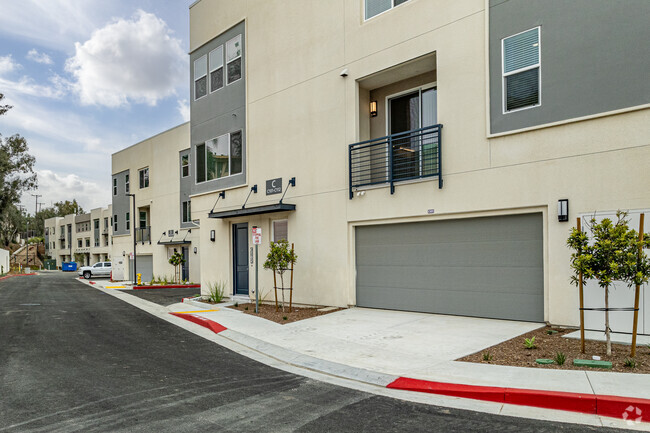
<point x="274" y="186"/>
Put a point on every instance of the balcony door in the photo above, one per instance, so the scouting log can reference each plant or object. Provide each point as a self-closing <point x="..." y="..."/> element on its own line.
<point x="413" y="152"/>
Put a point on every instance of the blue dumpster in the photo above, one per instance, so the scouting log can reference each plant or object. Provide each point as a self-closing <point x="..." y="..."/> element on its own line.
<point x="69" y="266"/>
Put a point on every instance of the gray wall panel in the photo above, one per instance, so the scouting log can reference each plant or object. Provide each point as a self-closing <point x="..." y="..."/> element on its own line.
<point x="145" y="267"/>
<point x="121" y="202"/>
<point x="594" y="57"/>
<point x="486" y="267"/>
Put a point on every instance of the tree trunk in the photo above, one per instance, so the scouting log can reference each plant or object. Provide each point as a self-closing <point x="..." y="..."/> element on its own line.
<point x="282" y="283"/>
<point x="607" y="336"/>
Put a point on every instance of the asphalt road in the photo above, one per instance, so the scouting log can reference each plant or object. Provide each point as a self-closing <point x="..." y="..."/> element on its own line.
<point x="73" y="358"/>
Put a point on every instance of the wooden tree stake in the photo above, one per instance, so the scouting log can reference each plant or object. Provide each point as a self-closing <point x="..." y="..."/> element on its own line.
<point x="291" y="284"/>
<point x="275" y="289"/>
<point x="637" y="291"/>
<point x="582" y="302"/>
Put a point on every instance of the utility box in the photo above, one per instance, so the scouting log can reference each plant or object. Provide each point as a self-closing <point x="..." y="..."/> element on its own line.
<point x="50" y="264"/>
<point x="69" y="266"/>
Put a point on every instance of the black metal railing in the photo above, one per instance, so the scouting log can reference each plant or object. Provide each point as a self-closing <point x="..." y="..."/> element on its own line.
<point x="143" y="234"/>
<point x="403" y="156"/>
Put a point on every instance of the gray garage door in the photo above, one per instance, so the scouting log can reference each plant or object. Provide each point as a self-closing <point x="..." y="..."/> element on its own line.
<point x="145" y="267"/>
<point x="484" y="267"/>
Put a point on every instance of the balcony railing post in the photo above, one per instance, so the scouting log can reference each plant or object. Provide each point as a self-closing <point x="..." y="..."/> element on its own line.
<point x="390" y="164"/>
<point x="439" y="156"/>
<point x="350" y="169"/>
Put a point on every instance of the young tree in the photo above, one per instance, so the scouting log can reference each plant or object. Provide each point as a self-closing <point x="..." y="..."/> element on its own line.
<point x="177" y="260"/>
<point x="279" y="259"/>
<point x="610" y="256"/>
<point x="63" y="208"/>
<point x="12" y="221"/>
<point x="16" y="167"/>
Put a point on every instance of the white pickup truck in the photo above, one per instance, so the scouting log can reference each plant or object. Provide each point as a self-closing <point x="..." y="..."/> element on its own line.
<point x="101" y="269"/>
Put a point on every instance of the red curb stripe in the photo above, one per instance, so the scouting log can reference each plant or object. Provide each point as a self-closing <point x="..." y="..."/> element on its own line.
<point x="605" y="405"/>
<point x="16" y="275"/>
<point x="206" y="323"/>
<point x="173" y="286"/>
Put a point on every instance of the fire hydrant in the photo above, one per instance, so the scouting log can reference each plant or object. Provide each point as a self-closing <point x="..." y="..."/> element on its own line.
<point x="139" y="279"/>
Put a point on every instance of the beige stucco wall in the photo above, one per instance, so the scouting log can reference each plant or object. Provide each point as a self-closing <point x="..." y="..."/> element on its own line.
<point x="161" y="199"/>
<point x="302" y="115"/>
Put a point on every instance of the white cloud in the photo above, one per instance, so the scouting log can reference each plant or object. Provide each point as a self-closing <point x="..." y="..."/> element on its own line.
<point x="7" y="65"/>
<point x="183" y="108"/>
<point x="37" y="57"/>
<point x="59" y="187"/>
<point x="134" y="60"/>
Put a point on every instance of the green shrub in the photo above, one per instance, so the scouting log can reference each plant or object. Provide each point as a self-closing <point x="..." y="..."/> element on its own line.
<point x="560" y="358"/>
<point x="487" y="356"/>
<point x="630" y="363"/>
<point x="529" y="343"/>
<point x="216" y="291"/>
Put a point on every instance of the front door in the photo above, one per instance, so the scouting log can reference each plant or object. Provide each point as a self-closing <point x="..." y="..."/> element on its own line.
<point x="240" y="258"/>
<point x="185" y="267"/>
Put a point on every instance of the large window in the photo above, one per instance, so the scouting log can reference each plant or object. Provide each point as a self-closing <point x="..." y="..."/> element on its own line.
<point x="216" y="68"/>
<point x="187" y="211"/>
<point x="144" y="177"/>
<point x="375" y="7"/>
<point x="185" y="165"/>
<point x="200" y="77"/>
<point x="233" y="59"/>
<point x="219" y="157"/>
<point x="521" y="67"/>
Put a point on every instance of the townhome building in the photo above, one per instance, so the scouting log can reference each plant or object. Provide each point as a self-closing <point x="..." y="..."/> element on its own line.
<point x="151" y="208"/>
<point x="84" y="238"/>
<point x="420" y="155"/>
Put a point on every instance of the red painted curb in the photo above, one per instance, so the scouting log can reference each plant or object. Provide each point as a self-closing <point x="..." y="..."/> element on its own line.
<point x="623" y="407"/>
<point x="172" y="286"/>
<point x="486" y="393"/>
<point x="206" y="323"/>
<point x="16" y="275"/>
<point x="612" y="406"/>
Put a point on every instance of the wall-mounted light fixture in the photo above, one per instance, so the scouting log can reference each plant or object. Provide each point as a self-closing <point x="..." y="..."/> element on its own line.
<point x="563" y="210"/>
<point x="212" y="235"/>
<point x="373" y="108"/>
<point x="195" y="250"/>
<point x="123" y="253"/>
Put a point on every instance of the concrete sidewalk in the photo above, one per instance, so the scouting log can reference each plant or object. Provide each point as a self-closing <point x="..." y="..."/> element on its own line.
<point x="378" y="347"/>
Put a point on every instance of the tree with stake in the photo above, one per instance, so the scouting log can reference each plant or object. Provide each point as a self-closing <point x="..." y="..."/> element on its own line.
<point x="280" y="259"/>
<point x="177" y="260"/>
<point x="610" y="256"/>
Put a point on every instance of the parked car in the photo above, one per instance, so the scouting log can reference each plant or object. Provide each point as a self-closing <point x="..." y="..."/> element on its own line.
<point x="101" y="269"/>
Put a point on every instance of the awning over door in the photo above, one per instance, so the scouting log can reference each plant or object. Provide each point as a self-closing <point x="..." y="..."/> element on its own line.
<point x="253" y="210"/>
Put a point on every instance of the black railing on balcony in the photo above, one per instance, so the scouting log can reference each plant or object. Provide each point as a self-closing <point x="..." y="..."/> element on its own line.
<point x="403" y="156"/>
<point x="143" y="234"/>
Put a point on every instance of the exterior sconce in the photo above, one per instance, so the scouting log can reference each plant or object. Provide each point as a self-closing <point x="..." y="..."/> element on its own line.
<point x="212" y="236"/>
<point x="373" y="108"/>
<point x="563" y="210"/>
<point x="195" y="250"/>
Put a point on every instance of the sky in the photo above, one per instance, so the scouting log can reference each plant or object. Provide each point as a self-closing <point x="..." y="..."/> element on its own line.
<point x="87" y="78"/>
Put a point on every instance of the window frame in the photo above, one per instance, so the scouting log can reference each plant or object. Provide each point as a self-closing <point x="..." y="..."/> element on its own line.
<point x="127" y="183"/>
<point x="205" y="158"/>
<point x="114" y="186"/>
<point x="205" y="74"/>
<point x="188" y="165"/>
<point x="140" y="172"/>
<point x="227" y="62"/>
<point x="127" y="219"/>
<point x="273" y="228"/>
<point x="393" y="6"/>
<point x="186" y="211"/>
<point x="211" y="69"/>
<point x="504" y="75"/>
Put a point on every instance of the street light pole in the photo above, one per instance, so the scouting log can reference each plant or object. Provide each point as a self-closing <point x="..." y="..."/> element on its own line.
<point x="135" y="275"/>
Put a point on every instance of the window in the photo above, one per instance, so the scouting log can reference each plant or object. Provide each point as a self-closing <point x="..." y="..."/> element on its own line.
<point x="185" y="165"/>
<point x="96" y="222"/>
<point x="187" y="211"/>
<point x="375" y="7"/>
<point x="233" y="58"/>
<point x="143" y="219"/>
<point x="114" y="222"/>
<point x="219" y="157"/>
<point x="79" y="243"/>
<point x="521" y="66"/>
<point x="216" y="69"/>
<point x="106" y="224"/>
<point x="128" y="221"/>
<point x="280" y="230"/>
<point x="96" y="242"/>
<point x="126" y="184"/>
<point x="200" y="77"/>
<point x="114" y="186"/>
<point x="144" y="177"/>
<point x="87" y="242"/>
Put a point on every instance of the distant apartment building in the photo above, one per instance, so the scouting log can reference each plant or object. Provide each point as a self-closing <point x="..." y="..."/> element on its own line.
<point x="84" y="238"/>
<point x="154" y="174"/>
<point x="422" y="155"/>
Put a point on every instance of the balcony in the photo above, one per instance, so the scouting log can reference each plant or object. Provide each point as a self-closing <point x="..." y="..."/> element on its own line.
<point x="143" y="234"/>
<point x="408" y="155"/>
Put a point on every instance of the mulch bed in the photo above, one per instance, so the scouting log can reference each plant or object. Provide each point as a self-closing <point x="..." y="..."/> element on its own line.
<point x="513" y="352"/>
<point x="267" y="311"/>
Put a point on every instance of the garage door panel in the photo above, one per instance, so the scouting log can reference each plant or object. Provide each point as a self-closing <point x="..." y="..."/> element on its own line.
<point x="486" y="267"/>
<point x="495" y="254"/>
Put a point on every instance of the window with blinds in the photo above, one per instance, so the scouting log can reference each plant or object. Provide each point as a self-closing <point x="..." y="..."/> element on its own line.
<point x="280" y="230"/>
<point x="375" y="7"/>
<point x="521" y="65"/>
